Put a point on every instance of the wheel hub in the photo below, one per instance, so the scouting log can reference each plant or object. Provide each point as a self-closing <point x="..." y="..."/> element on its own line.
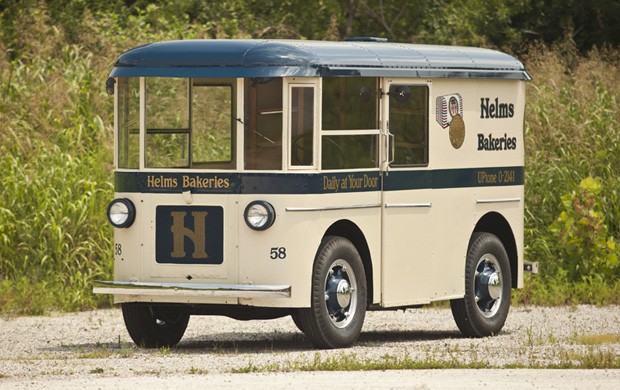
<point x="488" y="285"/>
<point x="343" y="293"/>
<point x="339" y="293"/>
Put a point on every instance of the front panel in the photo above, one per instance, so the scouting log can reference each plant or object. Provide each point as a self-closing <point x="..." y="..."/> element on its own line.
<point x="196" y="241"/>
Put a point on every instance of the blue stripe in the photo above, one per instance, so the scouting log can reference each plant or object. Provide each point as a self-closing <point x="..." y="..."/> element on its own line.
<point x="454" y="178"/>
<point x="315" y="183"/>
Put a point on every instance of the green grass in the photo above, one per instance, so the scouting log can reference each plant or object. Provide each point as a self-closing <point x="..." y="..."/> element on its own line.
<point x="536" y="350"/>
<point x="101" y="352"/>
<point x="197" y="371"/>
<point x="597" y="339"/>
<point x="55" y="164"/>
<point x="561" y="359"/>
<point x="572" y="133"/>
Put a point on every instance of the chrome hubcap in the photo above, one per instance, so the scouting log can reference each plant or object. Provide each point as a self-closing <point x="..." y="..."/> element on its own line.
<point x="488" y="285"/>
<point x="343" y="293"/>
<point x="340" y="297"/>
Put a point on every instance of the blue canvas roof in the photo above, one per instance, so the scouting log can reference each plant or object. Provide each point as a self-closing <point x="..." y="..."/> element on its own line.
<point x="295" y="58"/>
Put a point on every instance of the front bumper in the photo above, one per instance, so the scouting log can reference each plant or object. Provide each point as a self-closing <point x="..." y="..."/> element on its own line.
<point x="192" y="289"/>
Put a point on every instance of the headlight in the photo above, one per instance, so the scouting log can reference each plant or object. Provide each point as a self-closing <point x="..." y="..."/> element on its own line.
<point x="121" y="213"/>
<point x="259" y="215"/>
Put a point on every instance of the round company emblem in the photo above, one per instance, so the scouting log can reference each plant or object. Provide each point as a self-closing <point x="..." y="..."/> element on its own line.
<point x="457" y="131"/>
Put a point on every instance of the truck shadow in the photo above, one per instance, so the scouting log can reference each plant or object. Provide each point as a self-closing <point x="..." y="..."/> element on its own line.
<point x="287" y="342"/>
<point x="252" y="342"/>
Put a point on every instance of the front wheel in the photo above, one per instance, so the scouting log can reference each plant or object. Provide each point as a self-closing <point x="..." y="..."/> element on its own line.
<point x="154" y="326"/>
<point x="338" y="300"/>
<point x="483" y="310"/>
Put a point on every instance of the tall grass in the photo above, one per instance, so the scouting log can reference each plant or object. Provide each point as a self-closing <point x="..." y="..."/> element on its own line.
<point x="56" y="154"/>
<point x="54" y="173"/>
<point x="572" y="133"/>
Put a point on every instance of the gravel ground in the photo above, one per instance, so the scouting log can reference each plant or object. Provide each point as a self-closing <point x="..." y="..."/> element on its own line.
<point x="93" y="348"/>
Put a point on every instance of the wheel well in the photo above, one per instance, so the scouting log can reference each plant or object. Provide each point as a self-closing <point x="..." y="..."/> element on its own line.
<point x="350" y="231"/>
<point x="496" y="224"/>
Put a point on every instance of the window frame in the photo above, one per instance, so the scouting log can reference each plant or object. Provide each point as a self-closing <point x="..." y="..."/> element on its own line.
<point x="166" y="131"/>
<point x="117" y="125"/>
<point x="234" y="109"/>
<point x="355" y="132"/>
<point x="236" y="140"/>
<point x="390" y="138"/>
<point x="288" y="86"/>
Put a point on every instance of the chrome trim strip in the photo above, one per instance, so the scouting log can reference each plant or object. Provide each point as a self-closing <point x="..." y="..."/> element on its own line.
<point x="504" y="200"/>
<point x="330" y="208"/>
<point x="190" y="289"/>
<point x="391" y="205"/>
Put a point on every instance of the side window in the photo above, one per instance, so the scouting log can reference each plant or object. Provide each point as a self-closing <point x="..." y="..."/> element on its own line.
<point x="263" y="124"/>
<point x="128" y="122"/>
<point x="302" y="125"/>
<point x="350" y="103"/>
<point x="350" y="123"/>
<point x="349" y="151"/>
<point x="213" y="123"/>
<point x="408" y="119"/>
<point x="190" y="123"/>
<point x="167" y="123"/>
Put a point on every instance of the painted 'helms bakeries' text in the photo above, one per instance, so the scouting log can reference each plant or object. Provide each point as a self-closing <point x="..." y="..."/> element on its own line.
<point x="496" y="143"/>
<point x="494" y="109"/>
<point x="195" y="181"/>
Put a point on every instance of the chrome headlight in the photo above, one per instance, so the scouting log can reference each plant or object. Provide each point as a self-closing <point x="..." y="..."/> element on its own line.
<point x="121" y="213"/>
<point x="259" y="215"/>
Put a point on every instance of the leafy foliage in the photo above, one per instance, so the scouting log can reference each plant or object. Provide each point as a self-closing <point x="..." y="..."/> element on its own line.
<point x="572" y="136"/>
<point x="55" y="174"/>
<point x="585" y="246"/>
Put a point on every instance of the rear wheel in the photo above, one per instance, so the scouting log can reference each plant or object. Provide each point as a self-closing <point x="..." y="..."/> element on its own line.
<point x="154" y="326"/>
<point x="338" y="300"/>
<point x="484" y="308"/>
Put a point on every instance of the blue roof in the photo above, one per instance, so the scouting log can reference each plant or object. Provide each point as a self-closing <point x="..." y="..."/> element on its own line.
<point x="295" y="58"/>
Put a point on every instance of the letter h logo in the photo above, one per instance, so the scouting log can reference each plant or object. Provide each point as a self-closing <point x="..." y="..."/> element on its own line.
<point x="197" y="236"/>
<point x="189" y="235"/>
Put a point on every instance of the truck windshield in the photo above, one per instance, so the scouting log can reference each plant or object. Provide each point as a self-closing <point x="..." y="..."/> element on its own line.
<point x="189" y="123"/>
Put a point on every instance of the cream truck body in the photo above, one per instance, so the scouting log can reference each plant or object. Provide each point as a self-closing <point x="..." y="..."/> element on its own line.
<point x="349" y="176"/>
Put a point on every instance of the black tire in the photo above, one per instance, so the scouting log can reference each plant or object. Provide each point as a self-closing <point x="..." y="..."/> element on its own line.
<point x="298" y="321"/>
<point x="338" y="275"/>
<point x="483" y="310"/>
<point x="155" y="326"/>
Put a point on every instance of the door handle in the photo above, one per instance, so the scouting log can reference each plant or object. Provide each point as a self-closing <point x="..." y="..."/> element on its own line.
<point x="391" y="141"/>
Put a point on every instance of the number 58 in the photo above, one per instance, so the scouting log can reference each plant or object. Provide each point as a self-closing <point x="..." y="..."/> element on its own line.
<point x="278" y="253"/>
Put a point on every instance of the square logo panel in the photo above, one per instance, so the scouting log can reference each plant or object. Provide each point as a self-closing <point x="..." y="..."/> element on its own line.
<point x="189" y="235"/>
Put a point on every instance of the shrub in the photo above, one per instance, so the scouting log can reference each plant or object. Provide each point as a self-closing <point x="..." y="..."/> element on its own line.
<point x="585" y="248"/>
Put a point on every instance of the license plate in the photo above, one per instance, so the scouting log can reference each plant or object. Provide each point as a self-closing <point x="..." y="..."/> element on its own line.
<point x="189" y="235"/>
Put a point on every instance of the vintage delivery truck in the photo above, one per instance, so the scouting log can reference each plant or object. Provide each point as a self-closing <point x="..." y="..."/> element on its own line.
<point x="264" y="178"/>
